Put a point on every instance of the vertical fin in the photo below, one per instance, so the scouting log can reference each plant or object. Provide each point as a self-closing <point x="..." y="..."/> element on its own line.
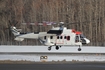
<point x="14" y="31"/>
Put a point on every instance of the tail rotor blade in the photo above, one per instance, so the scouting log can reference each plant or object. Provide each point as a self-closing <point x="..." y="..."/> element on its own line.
<point x="15" y="23"/>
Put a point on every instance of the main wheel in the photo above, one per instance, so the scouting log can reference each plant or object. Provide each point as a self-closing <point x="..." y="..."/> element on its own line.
<point x="57" y="47"/>
<point x="49" y="48"/>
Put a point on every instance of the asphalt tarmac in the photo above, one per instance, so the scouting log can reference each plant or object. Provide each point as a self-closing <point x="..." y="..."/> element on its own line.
<point x="55" y="66"/>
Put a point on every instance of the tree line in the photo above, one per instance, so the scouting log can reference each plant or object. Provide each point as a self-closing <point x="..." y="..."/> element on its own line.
<point x="87" y="16"/>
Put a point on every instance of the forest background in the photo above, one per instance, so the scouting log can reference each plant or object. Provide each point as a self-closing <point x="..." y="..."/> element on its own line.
<point x="87" y="16"/>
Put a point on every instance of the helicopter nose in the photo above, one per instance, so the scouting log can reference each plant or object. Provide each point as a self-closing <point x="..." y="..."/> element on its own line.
<point x="87" y="40"/>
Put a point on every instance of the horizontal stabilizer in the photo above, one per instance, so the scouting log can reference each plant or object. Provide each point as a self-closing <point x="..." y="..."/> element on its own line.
<point x="19" y="39"/>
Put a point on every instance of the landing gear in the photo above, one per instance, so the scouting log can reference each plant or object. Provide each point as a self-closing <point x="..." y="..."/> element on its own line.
<point x="79" y="49"/>
<point x="57" y="47"/>
<point x="49" y="48"/>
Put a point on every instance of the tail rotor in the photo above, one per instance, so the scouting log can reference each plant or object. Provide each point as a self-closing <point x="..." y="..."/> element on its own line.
<point x="11" y="27"/>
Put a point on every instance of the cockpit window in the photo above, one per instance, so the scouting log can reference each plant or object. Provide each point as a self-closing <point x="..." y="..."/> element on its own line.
<point x="82" y="36"/>
<point x="77" y="39"/>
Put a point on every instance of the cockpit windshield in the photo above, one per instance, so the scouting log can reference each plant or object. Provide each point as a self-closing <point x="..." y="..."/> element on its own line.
<point x="82" y="36"/>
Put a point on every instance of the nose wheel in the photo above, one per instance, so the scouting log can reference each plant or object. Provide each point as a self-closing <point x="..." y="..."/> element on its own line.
<point x="79" y="49"/>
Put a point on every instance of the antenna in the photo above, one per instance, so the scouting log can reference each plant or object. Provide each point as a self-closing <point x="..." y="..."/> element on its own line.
<point x="61" y="25"/>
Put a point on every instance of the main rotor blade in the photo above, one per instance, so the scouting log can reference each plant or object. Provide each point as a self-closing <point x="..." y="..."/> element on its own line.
<point x="44" y="23"/>
<point x="80" y="22"/>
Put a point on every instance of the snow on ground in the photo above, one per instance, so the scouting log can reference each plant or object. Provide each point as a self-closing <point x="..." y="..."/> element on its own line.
<point x="36" y="58"/>
<point x="66" y="53"/>
<point x="44" y="49"/>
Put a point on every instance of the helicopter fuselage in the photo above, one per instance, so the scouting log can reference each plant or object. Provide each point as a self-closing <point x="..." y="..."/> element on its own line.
<point x="55" y="37"/>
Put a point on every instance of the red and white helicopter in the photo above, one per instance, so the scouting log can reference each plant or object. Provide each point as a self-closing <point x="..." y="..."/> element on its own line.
<point x="56" y="36"/>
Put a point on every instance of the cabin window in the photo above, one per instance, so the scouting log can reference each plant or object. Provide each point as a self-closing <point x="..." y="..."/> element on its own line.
<point x="44" y="37"/>
<point x="65" y="37"/>
<point x="57" y="37"/>
<point x="51" y="37"/>
<point x="61" y="37"/>
<point x="68" y="37"/>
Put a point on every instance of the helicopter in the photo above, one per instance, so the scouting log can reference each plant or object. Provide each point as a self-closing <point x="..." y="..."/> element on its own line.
<point x="56" y="36"/>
